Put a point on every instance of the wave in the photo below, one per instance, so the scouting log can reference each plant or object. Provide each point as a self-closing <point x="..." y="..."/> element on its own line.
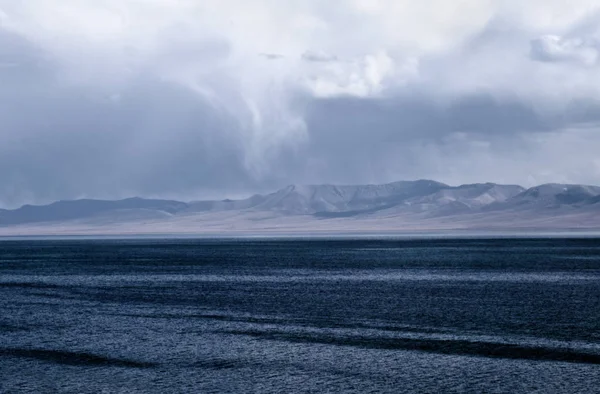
<point x="72" y="358"/>
<point x="438" y="346"/>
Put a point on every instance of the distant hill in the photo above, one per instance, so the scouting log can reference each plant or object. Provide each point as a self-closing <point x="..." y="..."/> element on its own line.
<point x="79" y="209"/>
<point x="421" y="204"/>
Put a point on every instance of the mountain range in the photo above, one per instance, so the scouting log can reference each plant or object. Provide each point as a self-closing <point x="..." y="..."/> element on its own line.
<point x="405" y="206"/>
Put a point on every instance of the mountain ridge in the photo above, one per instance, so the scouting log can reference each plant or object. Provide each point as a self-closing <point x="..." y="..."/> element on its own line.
<point x="402" y="204"/>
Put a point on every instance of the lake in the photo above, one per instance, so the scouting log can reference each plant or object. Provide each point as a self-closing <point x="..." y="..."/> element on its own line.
<point x="300" y="315"/>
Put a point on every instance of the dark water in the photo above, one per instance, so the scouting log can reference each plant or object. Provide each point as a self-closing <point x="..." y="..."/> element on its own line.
<point x="271" y="316"/>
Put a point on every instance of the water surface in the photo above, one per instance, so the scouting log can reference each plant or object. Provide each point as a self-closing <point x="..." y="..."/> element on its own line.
<point x="438" y="315"/>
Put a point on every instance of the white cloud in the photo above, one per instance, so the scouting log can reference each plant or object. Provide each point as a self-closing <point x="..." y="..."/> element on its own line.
<point x="369" y="76"/>
<point x="551" y="48"/>
<point x="115" y="39"/>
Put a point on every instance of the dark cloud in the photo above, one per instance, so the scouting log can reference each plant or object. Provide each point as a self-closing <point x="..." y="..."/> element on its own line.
<point x="151" y="137"/>
<point x="318" y="57"/>
<point x="364" y="140"/>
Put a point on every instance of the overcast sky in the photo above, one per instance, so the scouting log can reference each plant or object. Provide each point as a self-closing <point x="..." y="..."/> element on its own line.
<point x="198" y="99"/>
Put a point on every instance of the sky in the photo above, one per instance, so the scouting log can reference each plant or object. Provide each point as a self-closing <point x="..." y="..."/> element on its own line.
<point x="197" y="99"/>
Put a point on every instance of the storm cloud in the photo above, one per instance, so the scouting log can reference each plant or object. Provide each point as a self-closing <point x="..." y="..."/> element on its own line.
<point x="215" y="99"/>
